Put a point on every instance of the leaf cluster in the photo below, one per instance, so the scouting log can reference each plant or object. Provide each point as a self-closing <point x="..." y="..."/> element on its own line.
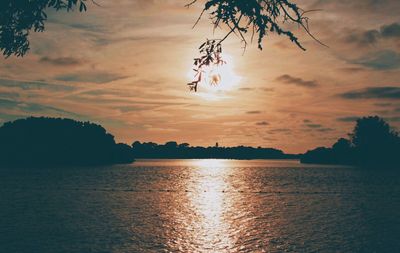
<point x="210" y="55"/>
<point x="257" y="17"/>
<point x="19" y="17"/>
<point x="260" y="17"/>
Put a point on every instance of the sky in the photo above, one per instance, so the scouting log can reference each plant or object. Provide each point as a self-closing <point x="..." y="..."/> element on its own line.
<point x="125" y="65"/>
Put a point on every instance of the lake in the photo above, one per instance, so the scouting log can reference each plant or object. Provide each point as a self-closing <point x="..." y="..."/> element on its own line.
<point x="200" y="206"/>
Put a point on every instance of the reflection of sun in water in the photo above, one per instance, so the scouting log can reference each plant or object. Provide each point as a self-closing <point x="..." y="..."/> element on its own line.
<point x="210" y="204"/>
<point x="210" y="164"/>
<point x="218" y="79"/>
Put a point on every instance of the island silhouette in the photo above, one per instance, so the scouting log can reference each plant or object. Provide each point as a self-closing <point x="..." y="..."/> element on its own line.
<point x="43" y="141"/>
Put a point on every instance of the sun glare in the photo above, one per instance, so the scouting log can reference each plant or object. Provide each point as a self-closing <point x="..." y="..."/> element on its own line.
<point x="218" y="79"/>
<point x="210" y="163"/>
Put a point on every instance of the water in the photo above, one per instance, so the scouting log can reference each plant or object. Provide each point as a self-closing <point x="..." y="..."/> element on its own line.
<point x="200" y="206"/>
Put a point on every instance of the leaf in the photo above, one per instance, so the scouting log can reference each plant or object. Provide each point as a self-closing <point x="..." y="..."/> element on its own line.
<point x="82" y="7"/>
<point x="202" y="45"/>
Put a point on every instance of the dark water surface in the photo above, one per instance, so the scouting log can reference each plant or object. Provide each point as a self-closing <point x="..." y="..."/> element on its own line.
<point x="200" y="206"/>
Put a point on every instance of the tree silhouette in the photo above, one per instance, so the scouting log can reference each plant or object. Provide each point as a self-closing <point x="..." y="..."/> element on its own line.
<point x="371" y="132"/>
<point x="55" y="141"/>
<point x="372" y="144"/>
<point x="375" y="142"/>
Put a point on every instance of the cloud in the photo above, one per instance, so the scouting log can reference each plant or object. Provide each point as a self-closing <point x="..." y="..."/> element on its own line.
<point x="364" y="38"/>
<point x="61" y="61"/>
<point x="313" y="125"/>
<point x="381" y="60"/>
<point x="393" y="119"/>
<point x="28" y="108"/>
<point x="268" y="89"/>
<point x="262" y="123"/>
<point x="90" y="77"/>
<point x="35" y="85"/>
<point x="288" y="79"/>
<point x="383" y="104"/>
<point x="348" y="119"/>
<point x="133" y="108"/>
<point x="6" y="103"/>
<point x="253" y="112"/>
<point x="316" y="127"/>
<point x="351" y="70"/>
<point x="387" y="92"/>
<point x="279" y="130"/>
<point x="370" y="37"/>
<point x="325" y="129"/>
<point x="391" y="31"/>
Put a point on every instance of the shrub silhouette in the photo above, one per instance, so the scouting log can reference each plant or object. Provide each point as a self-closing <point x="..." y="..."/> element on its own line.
<point x="55" y="141"/>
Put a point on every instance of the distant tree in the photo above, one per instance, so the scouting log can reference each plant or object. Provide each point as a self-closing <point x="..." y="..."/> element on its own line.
<point x="184" y="145"/>
<point x="343" y="152"/>
<point x="173" y="150"/>
<point x="342" y="145"/>
<point x="318" y="155"/>
<point x="136" y="144"/>
<point x="171" y="145"/>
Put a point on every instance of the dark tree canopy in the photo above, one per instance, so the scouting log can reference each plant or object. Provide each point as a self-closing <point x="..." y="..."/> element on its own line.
<point x="54" y="141"/>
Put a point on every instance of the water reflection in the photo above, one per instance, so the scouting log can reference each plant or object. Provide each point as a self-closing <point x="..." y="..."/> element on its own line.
<point x="193" y="206"/>
<point x="208" y="185"/>
<point x="212" y="165"/>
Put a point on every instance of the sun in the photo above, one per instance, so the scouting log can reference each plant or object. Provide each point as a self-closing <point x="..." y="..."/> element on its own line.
<point x="218" y="80"/>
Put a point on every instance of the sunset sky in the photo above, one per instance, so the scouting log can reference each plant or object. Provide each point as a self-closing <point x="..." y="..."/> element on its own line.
<point x="125" y="65"/>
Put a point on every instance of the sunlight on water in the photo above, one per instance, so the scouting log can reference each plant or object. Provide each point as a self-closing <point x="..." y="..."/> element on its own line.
<point x="212" y="165"/>
<point x="210" y="205"/>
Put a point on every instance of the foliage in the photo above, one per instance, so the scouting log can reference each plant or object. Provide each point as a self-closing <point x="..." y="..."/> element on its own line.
<point x="211" y="55"/>
<point x="259" y="17"/>
<point x="19" y="17"/>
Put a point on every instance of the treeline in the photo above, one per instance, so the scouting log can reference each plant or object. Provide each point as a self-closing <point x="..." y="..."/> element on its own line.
<point x="371" y="144"/>
<point x="54" y="141"/>
<point x="42" y="141"/>
<point x="184" y="151"/>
